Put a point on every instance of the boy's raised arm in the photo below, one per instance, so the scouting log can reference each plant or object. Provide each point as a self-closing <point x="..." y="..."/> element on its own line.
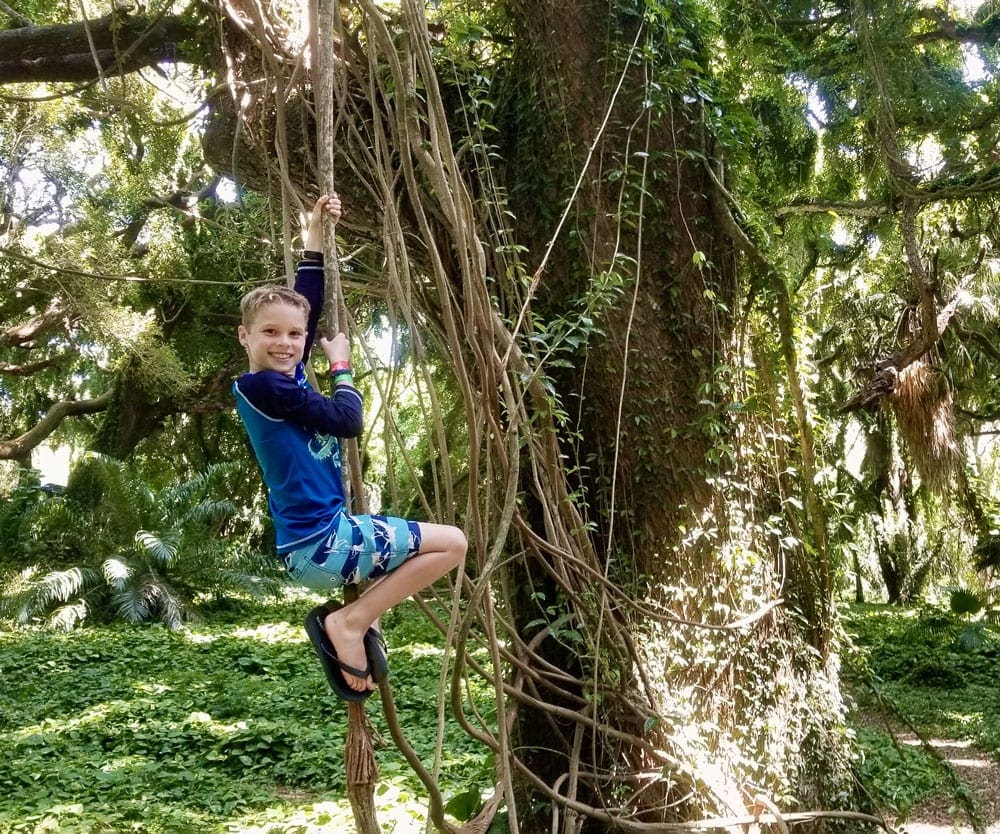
<point x="328" y="204"/>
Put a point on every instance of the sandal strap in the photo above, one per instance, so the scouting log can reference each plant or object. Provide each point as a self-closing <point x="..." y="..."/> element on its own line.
<point x="358" y="673"/>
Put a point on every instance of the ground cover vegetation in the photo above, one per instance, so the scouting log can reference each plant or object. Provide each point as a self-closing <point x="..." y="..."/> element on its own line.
<point x="685" y="312"/>
<point x="224" y="726"/>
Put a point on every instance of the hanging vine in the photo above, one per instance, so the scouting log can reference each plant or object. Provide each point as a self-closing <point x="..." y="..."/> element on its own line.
<point x="385" y="144"/>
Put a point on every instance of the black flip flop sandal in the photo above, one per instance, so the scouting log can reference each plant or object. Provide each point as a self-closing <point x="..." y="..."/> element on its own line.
<point x="333" y="666"/>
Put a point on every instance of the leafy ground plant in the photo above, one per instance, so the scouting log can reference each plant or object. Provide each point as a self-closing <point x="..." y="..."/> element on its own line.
<point x="224" y="726"/>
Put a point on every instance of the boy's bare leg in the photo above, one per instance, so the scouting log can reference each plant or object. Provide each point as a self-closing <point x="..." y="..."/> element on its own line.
<point x="442" y="549"/>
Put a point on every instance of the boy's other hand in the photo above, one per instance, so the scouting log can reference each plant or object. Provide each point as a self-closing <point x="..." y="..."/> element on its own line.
<point x="337" y="349"/>
<point x="328" y="204"/>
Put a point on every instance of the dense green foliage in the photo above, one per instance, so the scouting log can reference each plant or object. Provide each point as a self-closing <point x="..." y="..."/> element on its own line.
<point x="113" y="544"/>
<point x="226" y="725"/>
<point x="782" y="200"/>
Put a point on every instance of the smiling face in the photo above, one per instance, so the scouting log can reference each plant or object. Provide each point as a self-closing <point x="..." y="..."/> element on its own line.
<point x="275" y="338"/>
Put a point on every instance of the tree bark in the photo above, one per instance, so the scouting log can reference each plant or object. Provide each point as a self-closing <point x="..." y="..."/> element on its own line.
<point x="640" y="417"/>
<point x="642" y="389"/>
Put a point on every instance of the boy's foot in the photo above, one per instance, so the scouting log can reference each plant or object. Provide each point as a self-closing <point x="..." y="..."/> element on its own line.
<point x="338" y="671"/>
<point x="349" y="646"/>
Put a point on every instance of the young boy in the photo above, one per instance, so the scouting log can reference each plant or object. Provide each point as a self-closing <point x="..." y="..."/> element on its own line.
<point x="293" y="431"/>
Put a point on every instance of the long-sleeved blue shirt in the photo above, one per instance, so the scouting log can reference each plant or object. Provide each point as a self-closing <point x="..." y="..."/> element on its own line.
<point x="294" y="432"/>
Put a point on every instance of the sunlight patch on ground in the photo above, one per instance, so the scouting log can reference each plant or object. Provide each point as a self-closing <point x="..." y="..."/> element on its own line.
<point x="944" y="815"/>
<point x="937" y="742"/>
<point x="271" y="633"/>
<point x="267" y="633"/>
<point x="398" y="812"/>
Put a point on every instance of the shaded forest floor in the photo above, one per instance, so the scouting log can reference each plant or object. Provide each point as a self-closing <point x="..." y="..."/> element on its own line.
<point x="977" y="770"/>
<point x="928" y="717"/>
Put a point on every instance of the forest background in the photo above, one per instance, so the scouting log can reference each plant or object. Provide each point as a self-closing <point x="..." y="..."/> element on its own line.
<point x="685" y="311"/>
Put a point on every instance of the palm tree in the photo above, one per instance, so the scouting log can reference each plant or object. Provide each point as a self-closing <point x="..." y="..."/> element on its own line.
<point x="115" y="546"/>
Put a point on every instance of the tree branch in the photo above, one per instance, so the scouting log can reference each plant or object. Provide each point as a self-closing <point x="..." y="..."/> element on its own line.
<point x="853" y="208"/>
<point x="18" y="447"/>
<point x="883" y="383"/>
<point x="949" y="29"/>
<point x="21" y="335"/>
<point x="7" y="369"/>
<point x="86" y="50"/>
<point x="16" y="17"/>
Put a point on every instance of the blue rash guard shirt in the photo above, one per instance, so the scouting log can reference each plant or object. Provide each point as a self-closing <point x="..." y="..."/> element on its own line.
<point x="294" y="430"/>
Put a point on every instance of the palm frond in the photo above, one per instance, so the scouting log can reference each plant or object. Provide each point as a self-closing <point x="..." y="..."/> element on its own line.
<point x="203" y="484"/>
<point x="987" y="552"/>
<point x="170" y="609"/>
<point x="130" y="603"/>
<point x="116" y="572"/>
<point x="67" y="617"/>
<point x="253" y="585"/>
<point x="212" y="510"/>
<point x="54" y="587"/>
<point x="161" y="549"/>
<point x="963" y="601"/>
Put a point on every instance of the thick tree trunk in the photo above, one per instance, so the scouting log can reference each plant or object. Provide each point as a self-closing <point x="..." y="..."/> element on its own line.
<point x="645" y="385"/>
<point x="642" y="391"/>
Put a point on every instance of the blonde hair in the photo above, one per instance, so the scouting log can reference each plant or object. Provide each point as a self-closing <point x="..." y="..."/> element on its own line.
<point x="252" y="303"/>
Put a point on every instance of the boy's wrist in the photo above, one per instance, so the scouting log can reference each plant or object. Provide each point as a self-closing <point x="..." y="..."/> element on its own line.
<point x="340" y="366"/>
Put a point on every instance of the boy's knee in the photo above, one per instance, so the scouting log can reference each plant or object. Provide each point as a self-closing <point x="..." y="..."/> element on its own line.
<point x="457" y="544"/>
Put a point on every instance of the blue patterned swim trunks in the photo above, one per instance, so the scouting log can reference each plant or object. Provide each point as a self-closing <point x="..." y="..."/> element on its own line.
<point x="358" y="547"/>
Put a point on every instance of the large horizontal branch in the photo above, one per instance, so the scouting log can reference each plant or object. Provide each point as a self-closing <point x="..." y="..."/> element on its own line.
<point x="85" y="50"/>
<point x="851" y="208"/>
<point x="29" y="369"/>
<point x="948" y="29"/>
<point x="18" y="447"/>
<point x="947" y="187"/>
<point x="26" y="332"/>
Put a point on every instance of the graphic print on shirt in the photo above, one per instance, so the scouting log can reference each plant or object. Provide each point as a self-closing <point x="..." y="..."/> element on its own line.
<point x="323" y="447"/>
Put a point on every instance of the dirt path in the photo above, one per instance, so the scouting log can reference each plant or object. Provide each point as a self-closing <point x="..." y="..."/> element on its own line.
<point x="943" y="815"/>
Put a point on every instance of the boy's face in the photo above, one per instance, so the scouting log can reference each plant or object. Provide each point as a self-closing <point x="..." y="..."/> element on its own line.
<point x="275" y="338"/>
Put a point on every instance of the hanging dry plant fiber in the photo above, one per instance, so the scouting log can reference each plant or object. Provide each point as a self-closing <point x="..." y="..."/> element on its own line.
<point x="924" y="408"/>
